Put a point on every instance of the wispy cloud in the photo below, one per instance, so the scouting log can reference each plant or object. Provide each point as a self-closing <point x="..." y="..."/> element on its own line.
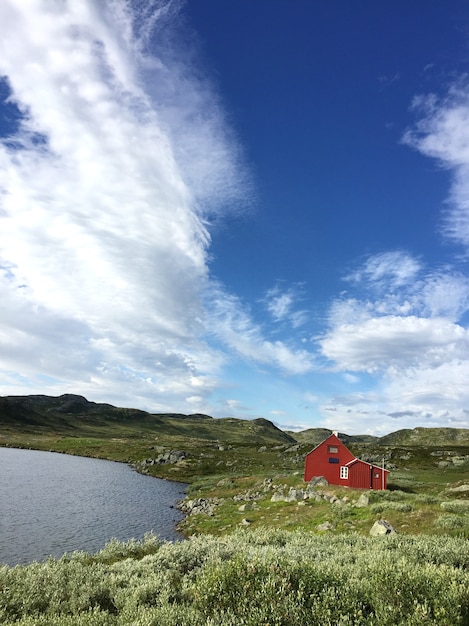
<point x="122" y="156"/>
<point x="231" y="323"/>
<point x="442" y="132"/>
<point x="395" y="268"/>
<point x="282" y="303"/>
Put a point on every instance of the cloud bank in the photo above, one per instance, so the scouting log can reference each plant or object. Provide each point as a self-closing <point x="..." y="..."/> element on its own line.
<point x="401" y="322"/>
<point x="120" y="159"/>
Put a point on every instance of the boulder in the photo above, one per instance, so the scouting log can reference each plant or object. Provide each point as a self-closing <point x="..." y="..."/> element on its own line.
<point x="461" y="488"/>
<point x="294" y="495"/>
<point x="318" y="481"/>
<point x="325" y="526"/>
<point x="278" y="496"/>
<point x="362" y="501"/>
<point x="382" y="527"/>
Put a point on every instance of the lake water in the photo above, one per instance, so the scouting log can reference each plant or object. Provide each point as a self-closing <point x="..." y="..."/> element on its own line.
<point x="53" y="503"/>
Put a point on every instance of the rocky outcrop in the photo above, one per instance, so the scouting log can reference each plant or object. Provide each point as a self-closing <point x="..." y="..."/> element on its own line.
<point x="171" y="457"/>
<point x="200" y="506"/>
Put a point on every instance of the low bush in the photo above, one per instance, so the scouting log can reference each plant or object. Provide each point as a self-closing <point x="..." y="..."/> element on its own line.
<point x="402" y="507"/>
<point x="449" y="522"/>
<point x="250" y="578"/>
<point x="456" y="506"/>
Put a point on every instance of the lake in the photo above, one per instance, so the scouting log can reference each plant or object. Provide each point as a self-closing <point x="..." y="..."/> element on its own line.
<point x="53" y="503"/>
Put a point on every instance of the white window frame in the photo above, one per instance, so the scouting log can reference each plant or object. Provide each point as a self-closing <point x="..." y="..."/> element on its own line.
<point x="344" y="472"/>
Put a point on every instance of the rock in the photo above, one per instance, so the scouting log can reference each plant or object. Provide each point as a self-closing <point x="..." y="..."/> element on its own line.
<point x="245" y="507"/>
<point x="248" y="496"/>
<point x="461" y="488"/>
<point x="362" y="501"/>
<point x="294" y="495"/>
<point x="318" y="481"/>
<point x="382" y="527"/>
<point x="277" y="497"/>
<point x="313" y="495"/>
<point x="267" y="485"/>
<point x="173" y="456"/>
<point x="325" y="526"/>
<point x="245" y="522"/>
<point x="262" y="449"/>
<point x="205" y="506"/>
<point x="294" y="448"/>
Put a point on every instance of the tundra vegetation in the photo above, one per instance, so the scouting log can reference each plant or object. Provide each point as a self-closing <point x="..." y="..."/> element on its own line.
<point x="264" y="548"/>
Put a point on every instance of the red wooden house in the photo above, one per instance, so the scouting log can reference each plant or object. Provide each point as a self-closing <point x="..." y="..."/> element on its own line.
<point x="337" y="464"/>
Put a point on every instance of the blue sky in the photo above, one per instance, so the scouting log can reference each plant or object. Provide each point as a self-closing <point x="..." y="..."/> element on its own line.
<point x="253" y="209"/>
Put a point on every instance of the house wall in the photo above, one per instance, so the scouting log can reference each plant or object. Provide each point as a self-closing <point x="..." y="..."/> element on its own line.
<point x="360" y="475"/>
<point x="325" y="461"/>
<point x="377" y="481"/>
<point x="330" y="455"/>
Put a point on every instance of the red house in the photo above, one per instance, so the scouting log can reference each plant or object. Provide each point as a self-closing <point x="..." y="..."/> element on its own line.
<point x="337" y="464"/>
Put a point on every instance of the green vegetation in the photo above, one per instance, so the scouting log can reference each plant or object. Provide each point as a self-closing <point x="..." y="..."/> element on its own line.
<point x="250" y="577"/>
<point x="265" y="548"/>
<point x="227" y="461"/>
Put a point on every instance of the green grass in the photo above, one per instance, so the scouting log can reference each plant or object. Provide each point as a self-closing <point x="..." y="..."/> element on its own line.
<point x="229" y="457"/>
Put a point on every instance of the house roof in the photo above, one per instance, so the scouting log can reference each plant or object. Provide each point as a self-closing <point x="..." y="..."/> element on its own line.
<point x="332" y="435"/>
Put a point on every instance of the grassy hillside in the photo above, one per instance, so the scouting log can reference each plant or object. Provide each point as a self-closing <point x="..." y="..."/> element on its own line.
<point x="75" y="416"/>
<point x="314" y="436"/>
<point x="235" y="467"/>
<point x="427" y="437"/>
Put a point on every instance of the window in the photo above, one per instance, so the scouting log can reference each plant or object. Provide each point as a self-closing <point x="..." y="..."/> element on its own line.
<point x="376" y="475"/>
<point x="332" y="449"/>
<point x="333" y="460"/>
<point x="344" y="472"/>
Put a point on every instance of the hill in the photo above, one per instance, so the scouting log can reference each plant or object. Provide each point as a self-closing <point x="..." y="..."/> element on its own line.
<point x="73" y="415"/>
<point x="427" y="437"/>
<point x="413" y="437"/>
<point x="314" y="436"/>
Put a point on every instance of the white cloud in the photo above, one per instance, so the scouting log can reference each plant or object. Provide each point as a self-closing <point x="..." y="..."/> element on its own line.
<point x="405" y="398"/>
<point x="122" y="156"/>
<point x="232" y="324"/>
<point x="442" y="132"/>
<point x="282" y="303"/>
<point x="390" y="341"/>
<point x="394" y="269"/>
<point x="409" y="339"/>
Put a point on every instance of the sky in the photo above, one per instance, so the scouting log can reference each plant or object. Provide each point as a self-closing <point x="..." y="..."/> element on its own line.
<point x="238" y="208"/>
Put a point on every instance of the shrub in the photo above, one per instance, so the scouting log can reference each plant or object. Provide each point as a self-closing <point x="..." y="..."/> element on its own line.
<point x="250" y="578"/>
<point x="402" y="507"/>
<point x="456" y="506"/>
<point x="448" y="522"/>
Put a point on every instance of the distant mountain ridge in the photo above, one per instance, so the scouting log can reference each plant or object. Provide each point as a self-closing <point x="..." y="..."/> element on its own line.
<point x="71" y="414"/>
